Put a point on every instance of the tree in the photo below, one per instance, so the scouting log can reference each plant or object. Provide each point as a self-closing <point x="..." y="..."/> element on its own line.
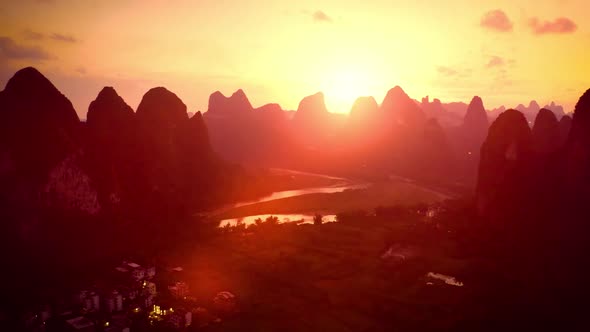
<point x="317" y="219"/>
<point x="272" y="220"/>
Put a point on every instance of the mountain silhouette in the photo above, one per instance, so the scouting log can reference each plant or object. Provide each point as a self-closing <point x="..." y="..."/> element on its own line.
<point x="437" y="156"/>
<point x="364" y="111"/>
<point x="161" y="110"/>
<point x="311" y="107"/>
<point x="476" y="115"/>
<point x="236" y="104"/>
<point x="39" y="126"/>
<point x="195" y="147"/>
<point x="111" y="148"/>
<point x="363" y="123"/>
<point x="242" y="134"/>
<point x="271" y="114"/>
<point x="160" y="116"/>
<point x="108" y="114"/>
<point x="556" y="109"/>
<point x="433" y="107"/>
<point x="475" y="122"/>
<point x="198" y="166"/>
<point x="467" y="138"/>
<point x="506" y="154"/>
<point x="447" y="114"/>
<point x="198" y="136"/>
<point x="176" y="160"/>
<point x="401" y="109"/>
<point x="546" y="135"/>
<point x="577" y="157"/>
<point x="40" y="143"/>
<point x="531" y="111"/>
<point x="312" y="120"/>
<point x="565" y="125"/>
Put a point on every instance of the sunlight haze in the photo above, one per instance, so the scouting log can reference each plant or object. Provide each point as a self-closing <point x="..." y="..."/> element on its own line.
<point x="281" y="51"/>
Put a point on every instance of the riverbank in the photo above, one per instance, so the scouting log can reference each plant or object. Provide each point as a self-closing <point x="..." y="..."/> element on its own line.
<point x="366" y="198"/>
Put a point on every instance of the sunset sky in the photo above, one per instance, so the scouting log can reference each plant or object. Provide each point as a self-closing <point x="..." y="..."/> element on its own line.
<point x="506" y="51"/>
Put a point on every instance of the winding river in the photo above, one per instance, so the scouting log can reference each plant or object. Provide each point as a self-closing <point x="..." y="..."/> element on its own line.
<point x="340" y="185"/>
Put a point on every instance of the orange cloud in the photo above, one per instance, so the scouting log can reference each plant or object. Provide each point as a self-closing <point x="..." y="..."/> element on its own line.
<point x="496" y="61"/>
<point x="11" y="50"/>
<point x="496" y="20"/>
<point x="32" y="35"/>
<point x="560" y="25"/>
<point x="63" y="38"/>
<point x="320" y="16"/>
<point x="35" y="35"/>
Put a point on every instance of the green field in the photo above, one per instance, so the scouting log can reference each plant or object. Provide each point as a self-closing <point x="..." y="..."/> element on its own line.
<point x="330" y="277"/>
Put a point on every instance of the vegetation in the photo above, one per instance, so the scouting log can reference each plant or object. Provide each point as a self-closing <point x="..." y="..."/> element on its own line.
<point x="318" y="219"/>
<point x="384" y="194"/>
<point x="295" y="278"/>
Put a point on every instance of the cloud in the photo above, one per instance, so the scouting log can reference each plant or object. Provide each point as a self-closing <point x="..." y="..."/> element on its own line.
<point x="446" y="71"/>
<point x="560" y="25"/>
<point x="32" y="35"/>
<point x="63" y="38"/>
<point x="11" y="50"/>
<point x="320" y="16"/>
<point x="496" y="61"/>
<point x="496" y="20"/>
<point x="35" y="35"/>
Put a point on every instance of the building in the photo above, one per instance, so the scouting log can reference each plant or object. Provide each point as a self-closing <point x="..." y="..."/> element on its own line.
<point x="80" y="324"/>
<point x="136" y="272"/>
<point x="113" y="302"/>
<point x="118" y="301"/>
<point x="149" y="288"/>
<point x="149" y="301"/>
<point x="225" y="302"/>
<point x="179" y="289"/>
<point x="90" y="301"/>
<point x="95" y="301"/>
<point x="150" y="272"/>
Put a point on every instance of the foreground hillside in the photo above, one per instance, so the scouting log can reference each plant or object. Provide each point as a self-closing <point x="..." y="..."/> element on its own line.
<point x="368" y="273"/>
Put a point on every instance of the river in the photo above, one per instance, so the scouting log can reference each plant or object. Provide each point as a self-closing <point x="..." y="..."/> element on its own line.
<point x="340" y="185"/>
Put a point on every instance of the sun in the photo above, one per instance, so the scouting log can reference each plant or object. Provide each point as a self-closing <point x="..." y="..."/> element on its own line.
<point x="344" y="85"/>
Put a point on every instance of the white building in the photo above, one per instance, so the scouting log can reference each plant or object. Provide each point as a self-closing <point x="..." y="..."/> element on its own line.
<point x="80" y="324"/>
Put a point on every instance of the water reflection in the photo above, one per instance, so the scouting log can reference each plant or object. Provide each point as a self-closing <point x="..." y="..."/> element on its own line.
<point x="447" y="279"/>
<point x="298" y="192"/>
<point x="282" y="218"/>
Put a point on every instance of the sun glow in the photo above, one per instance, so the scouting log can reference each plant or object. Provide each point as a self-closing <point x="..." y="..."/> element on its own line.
<point x="345" y="84"/>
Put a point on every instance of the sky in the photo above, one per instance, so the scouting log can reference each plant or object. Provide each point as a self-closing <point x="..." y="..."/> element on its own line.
<point x="507" y="52"/>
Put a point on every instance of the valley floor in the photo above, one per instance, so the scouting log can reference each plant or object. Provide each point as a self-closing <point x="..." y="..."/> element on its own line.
<point x="360" y="196"/>
<point x="333" y="277"/>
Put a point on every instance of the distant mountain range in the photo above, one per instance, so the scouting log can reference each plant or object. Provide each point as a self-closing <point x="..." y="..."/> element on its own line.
<point x="159" y="157"/>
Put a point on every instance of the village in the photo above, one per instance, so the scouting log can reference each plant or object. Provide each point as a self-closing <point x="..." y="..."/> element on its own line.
<point x="133" y="298"/>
